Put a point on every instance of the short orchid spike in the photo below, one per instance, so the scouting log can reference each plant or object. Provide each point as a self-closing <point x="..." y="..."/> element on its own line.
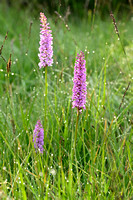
<point x="79" y="88"/>
<point x="38" y="137"/>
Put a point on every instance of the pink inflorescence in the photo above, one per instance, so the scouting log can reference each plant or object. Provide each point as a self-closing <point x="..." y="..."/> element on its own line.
<point x="46" y="41"/>
<point x="38" y="137"/>
<point x="79" y="88"/>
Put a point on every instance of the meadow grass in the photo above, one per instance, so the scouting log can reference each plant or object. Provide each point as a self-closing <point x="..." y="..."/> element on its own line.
<point x="103" y="162"/>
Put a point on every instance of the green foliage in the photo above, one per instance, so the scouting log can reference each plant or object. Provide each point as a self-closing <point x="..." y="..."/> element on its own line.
<point x="76" y="7"/>
<point x="102" y="166"/>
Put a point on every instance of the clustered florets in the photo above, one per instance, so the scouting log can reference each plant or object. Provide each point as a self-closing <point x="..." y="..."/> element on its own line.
<point x="79" y="88"/>
<point x="38" y="137"/>
<point x="46" y="41"/>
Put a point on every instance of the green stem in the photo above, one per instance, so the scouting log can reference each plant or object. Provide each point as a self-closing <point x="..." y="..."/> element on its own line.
<point x="73" y="150"/>
<point x="76" y="129"/>
<point x="46" y="92"/>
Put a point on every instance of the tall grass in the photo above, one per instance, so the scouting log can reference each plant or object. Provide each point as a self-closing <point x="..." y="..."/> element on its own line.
<point x="102" y="166"/>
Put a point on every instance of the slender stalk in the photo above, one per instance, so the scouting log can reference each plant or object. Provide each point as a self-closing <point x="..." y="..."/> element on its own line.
<point x="75" y="138"/>
<point x="73" y="150"/>
<point x="76" y="129"/>
<point x="46" y="92"/>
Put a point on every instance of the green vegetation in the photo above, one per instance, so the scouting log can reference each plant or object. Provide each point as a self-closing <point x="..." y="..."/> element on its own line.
<point x="103" y="163"/>
<point x="76" y="7"/>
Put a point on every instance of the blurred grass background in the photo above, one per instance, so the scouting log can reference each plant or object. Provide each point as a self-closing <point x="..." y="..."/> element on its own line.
<point x="77" y="7"/>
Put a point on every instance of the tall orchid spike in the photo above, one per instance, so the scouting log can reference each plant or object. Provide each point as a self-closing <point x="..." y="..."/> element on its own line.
<point x="79" y="88"/>
<point x="46" y="42"/>
<point x="38" y="137"/>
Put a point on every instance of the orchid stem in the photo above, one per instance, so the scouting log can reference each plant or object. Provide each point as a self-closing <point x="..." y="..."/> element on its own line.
<point x="76" y="129"/>
<point x="75" y="139"/>
<point x="46" y="92"/>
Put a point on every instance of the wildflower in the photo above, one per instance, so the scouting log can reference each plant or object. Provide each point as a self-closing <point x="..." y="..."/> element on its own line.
<point x="38" y="137"/>
<point x="46" y="41"/>
<point x="79" y="88"/>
